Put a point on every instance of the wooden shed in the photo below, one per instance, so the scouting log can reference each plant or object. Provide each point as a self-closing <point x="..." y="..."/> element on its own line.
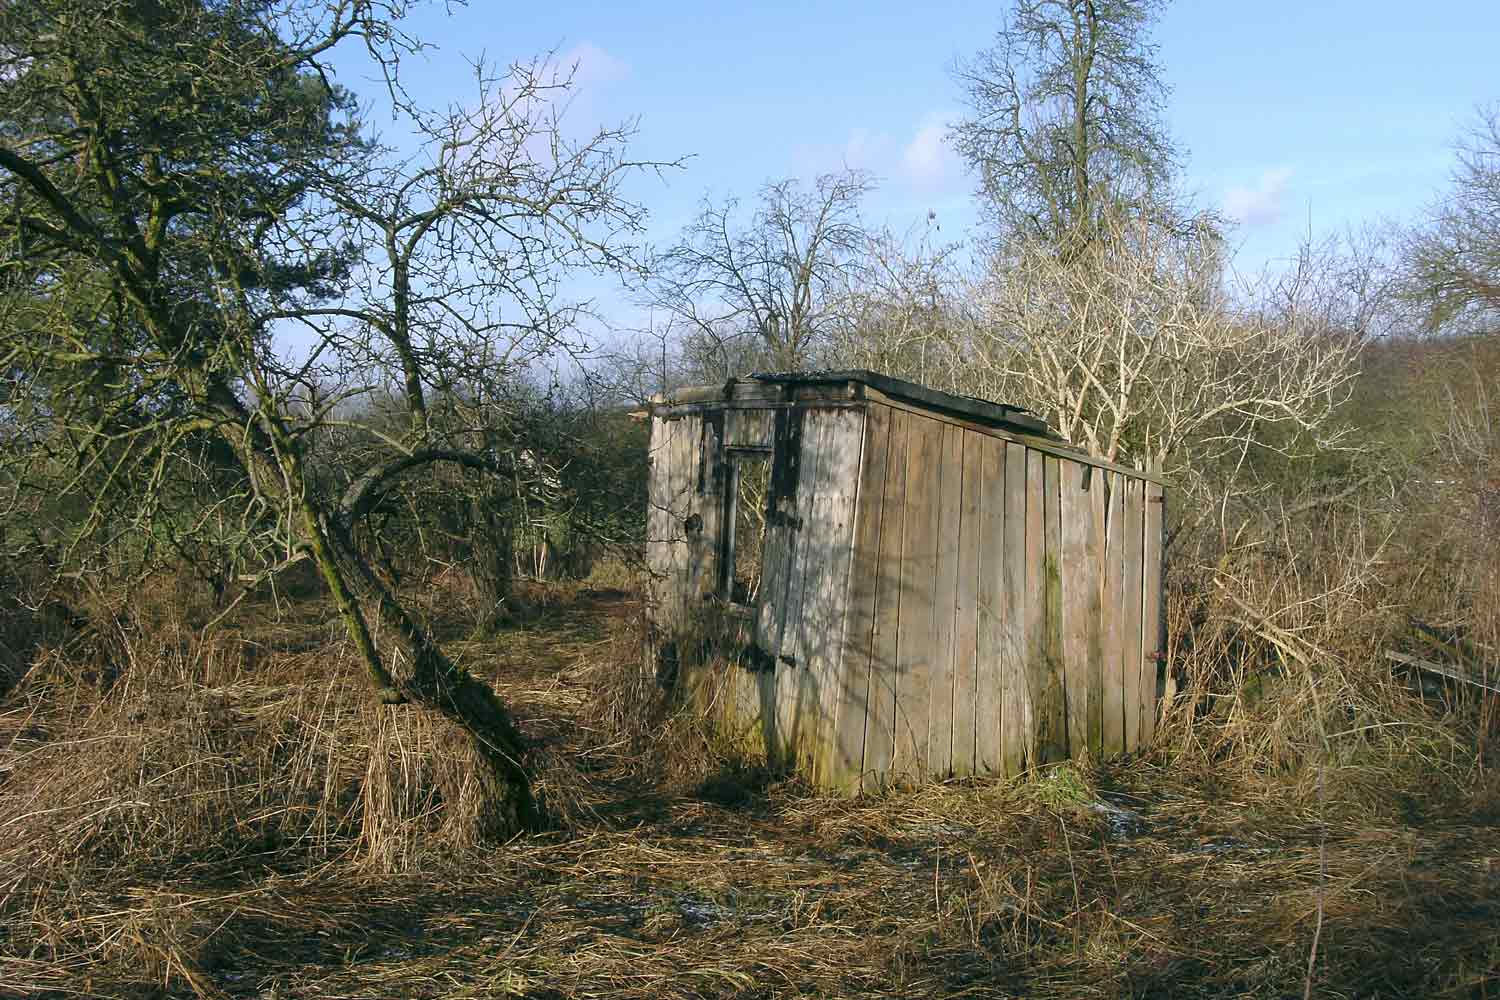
<point x="913" y="584"/>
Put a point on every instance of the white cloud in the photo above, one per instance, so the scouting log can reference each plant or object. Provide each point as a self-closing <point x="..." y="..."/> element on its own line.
<point x="928" y="161"/>
<point x="1258" y="204"/>
<point x="924" y="164"/>
<point x="595" y="66"/>
<point x="861" y="149"/>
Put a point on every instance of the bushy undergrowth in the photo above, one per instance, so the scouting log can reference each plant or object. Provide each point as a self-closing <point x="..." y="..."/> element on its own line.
<point x="1287" y="595"/>
<point x="186" y="788"/>
<point x="142" y="752"/>
<point x="228" y="814"/>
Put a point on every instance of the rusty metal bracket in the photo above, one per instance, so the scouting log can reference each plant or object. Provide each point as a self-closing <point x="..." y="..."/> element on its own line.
<point x="757" y="660"/>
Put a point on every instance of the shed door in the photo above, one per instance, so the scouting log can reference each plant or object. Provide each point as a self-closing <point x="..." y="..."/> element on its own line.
<point x="751" y="543"/>
<point x="783" y="527"/>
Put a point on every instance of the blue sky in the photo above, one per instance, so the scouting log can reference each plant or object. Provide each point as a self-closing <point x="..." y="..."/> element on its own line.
<point x="1320" y="114"/>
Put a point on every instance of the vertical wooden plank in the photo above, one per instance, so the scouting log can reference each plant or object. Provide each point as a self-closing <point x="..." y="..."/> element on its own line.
<point x="777" y="548"/>
<point x="916" y="634"/>
<point x="1112" y="734"/>
<point x="1092" y="582"/>
<point x="682" y="502"/>
<point x="691" y="539"/>
<point x="1043" y="616"/>
<point x="1132" y="536"/>
<point x="1153" y="637"/>
<point x="666" y="581"/>
<point x="775" y="569"/>
<point x="800" y="528"/>
<point x="966" y="600"/>
<point x="941" y="683"/>
<point x="1016" y="661"/>
<point x="658" y="521"/>
<point x="705" y="577"/>
<point x="1011" y="660"/>
<point x="684" y="445"/>
<point x="826" y="606"/>
<point x="881" y="726"/>
<point x="989" y="756"/>
<point x="1081" y="580"/>
<point x="679" y="450"/>
<point x="729" y="528"/>
<point x="1053" y="560"/>
<point x="856" y="662"/>
<point x="748" y="428"/>
<point x="705" y="489"/>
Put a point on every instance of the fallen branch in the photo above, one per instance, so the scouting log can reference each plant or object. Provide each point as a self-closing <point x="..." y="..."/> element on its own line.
<point x="1451" y="671"/>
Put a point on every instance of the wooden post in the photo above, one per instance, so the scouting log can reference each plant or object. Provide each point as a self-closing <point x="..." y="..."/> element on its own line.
<point x="857" y="663"/>
<point x="1153" y="632"/>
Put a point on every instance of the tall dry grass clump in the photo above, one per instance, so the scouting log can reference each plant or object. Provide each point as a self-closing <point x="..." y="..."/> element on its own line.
<point x="671" y="704"/>
<point x="422" y="801"/>
<point x="143" y="752"/>
<point x="1281" y="614"/>
<point x="161" y="780"/>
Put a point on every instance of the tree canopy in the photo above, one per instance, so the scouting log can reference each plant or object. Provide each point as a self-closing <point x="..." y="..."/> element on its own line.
<point x="184" y="181"/>
<point x="764" y="291"/>
<point x="1454" y="255"/>
<point x="1064" y="116"/>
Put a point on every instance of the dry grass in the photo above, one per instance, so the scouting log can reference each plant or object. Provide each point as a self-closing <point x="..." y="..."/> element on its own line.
<point x="228" y="817"/>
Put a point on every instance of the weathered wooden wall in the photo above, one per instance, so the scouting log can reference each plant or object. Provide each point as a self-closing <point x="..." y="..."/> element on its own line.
<point x="798" y="622"/>
<point x="805" y="581"/>
<point x="937" y="598"/>
<point x="676" y="455"/>
<point x="1003" y="608"/>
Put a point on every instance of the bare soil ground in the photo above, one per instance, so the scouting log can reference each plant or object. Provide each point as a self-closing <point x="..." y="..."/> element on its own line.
<point x="704" y="879"/>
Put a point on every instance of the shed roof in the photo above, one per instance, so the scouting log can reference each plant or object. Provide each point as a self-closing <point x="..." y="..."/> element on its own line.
<point x="1014" y="418"/>
<point x="1015" y="421"/>
<point x="981" y="410"/>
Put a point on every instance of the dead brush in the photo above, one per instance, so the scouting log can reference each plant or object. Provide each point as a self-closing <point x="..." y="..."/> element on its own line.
<point x="36" y="613"/>
<point x="185" y="757"/>
<point x="1276" y="635"/>
<point x="24" y="629"/>
<point x="455" y="600"/>
<point x="671" y="706"/>
<point x="1472" y="443"/>
<point x="652" y="889"/>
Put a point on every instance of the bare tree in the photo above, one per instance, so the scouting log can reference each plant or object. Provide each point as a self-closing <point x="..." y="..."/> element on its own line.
<point x="1064" y="115"/>
<point x="1133" y="349"/>
<point x="761" y="292"/>
<point x="1455" y="256"/>
<point x="184" y="185"/>
<point x="1132" y="346"/>
<point x="904" y="310"/>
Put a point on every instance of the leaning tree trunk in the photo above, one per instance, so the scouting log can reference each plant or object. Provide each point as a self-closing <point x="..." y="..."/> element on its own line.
<point x="488" y="795"/>
<point x="489" y="800"/>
